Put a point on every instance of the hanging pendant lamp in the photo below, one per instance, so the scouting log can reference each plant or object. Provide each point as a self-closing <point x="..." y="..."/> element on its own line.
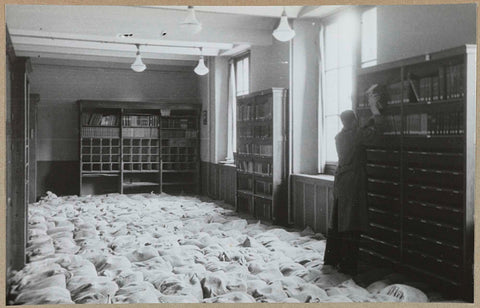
<point x="191" y="23"/>
<point x="138" y="65"/>
<point x="201" y="69"/>
<point x="283" y="32"/>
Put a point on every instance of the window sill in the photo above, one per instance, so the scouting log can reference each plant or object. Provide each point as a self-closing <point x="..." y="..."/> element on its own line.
<point x="324" y="179"/>
<point x="228" y="163"/>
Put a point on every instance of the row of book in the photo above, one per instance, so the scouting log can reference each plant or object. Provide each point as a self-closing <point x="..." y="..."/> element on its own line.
<point x="100" y="132"/>
<point x="257" y="149"/>
<point x="100" y="167"/>
<point x="140" y="120"/>
<point x="447" y="83"/>
<point x="258" y="131"/>
<point x="178" y="123"/>
<point x="393" y="125"/>
<point x="178" y="142"/>
<point x="175" y="158"/>
<point x="140" y="150"/>
<point x="179" y="166"/>
<point x="98" y="119"/>
<point x="178" y="151"/>
<point x="262" y="168"/>
<point x="179" y="134"/>
<point x="100" y="158"/>
<point x="139" y="158"/>
<point x="140" y="142"/>
<point x="263" y="111"/>
<point x="263" y="187"/>
<point x="115" y="142"/>
<point x="254" y="112"/>
<point x="140" y="167"/>
<point x="147" y="132"/>
<point x="434" y="124"/>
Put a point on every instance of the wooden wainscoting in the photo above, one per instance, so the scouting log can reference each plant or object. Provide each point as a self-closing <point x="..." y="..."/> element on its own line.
<point x="312" y="198"/>
<point x="218" y="181"/>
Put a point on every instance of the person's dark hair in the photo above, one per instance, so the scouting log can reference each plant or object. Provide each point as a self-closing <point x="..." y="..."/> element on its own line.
<point x="348" y="117"/>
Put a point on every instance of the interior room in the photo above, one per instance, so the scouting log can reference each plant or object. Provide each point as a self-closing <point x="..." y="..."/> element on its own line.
<point x="229" y="154"/>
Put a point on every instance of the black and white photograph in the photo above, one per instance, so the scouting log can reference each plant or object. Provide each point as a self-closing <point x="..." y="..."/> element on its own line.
<point x="239" y="154"/>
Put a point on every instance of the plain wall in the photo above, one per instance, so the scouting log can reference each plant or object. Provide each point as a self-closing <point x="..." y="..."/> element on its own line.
<point x="61" y="84"/>
<point x="269" y="66"/>
<point x="412" y="30"/>
<point x="403" y="31"/>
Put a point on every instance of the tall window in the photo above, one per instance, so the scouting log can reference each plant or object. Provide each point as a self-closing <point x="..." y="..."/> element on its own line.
<point x="345" y="48"/>
<point x="339" y="65"/>
<point x="242" y="70"/>
<point x="239" y="84"/>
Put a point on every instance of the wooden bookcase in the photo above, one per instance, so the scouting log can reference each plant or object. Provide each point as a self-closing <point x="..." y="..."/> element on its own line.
<point x="421" y="170"/>
<point x="131" y="147"/>
<point x="261" y="157"/>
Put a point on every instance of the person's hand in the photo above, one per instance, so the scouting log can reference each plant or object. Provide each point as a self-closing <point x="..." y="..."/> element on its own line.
<point x="372" y="102"/>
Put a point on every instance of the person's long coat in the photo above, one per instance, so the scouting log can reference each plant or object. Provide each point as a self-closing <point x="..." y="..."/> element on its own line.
<point x="350" y="178"/>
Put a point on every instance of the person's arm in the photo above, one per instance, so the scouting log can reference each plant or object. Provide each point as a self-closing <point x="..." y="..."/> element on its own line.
<point x="370" y="130"/>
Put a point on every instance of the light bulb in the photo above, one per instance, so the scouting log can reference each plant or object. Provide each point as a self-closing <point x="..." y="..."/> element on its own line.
<point x="191" y="24"/>
<point x="201" y="69"/>
<point x="138" y="65"/>
<point x="283" y="32"/>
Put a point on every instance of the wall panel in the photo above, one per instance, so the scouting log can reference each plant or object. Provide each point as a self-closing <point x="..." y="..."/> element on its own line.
<point x="312" y="201"/>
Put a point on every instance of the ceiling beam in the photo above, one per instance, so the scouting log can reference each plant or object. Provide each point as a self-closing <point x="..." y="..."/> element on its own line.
<point x="124" y="47"/>
<point x="235" y="50"/>
<point x="145" y="23"/>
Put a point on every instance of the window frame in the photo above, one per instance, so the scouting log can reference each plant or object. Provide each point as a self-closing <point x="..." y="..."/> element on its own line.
<point x="324" y="166"/>
<point x="237" y="59"/>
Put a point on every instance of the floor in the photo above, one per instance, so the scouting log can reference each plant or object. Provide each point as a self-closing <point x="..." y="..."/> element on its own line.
<point x="149" y="248"/>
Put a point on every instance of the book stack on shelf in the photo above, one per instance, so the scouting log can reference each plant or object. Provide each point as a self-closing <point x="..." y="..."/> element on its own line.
<point x="139" y="144"/>
<point x="421" y="169"/>
<point x="100" y="143"/>
<point x="180" y="163"/>
<point x="97" y="125"/>
<point x="261" y="171"/>
<point x="140" y="151"/>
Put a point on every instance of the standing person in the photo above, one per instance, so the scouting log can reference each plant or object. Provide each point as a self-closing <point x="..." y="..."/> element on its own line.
<point x="349" y="215"/>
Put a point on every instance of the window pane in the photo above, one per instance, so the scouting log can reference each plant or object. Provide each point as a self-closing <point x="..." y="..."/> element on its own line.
<point x="345" y="89"/>
<point x="369" y="35"/>
<point x="331" y="130"/>
<point x="239" y="77"/>
<point x="245" y="76"/>
<point x="331" y="46"/>
<point x="331" y="92"/>
<point x="346" y="37"/>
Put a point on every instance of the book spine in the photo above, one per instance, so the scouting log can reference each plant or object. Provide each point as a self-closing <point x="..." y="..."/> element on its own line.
<point x="441" y="83"/>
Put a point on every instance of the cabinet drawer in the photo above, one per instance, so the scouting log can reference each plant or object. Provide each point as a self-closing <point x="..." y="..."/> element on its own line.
<point x="380" y="156"/>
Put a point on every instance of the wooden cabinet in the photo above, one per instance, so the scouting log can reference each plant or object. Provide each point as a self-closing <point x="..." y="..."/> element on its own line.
<point x="261" y="156"/>
<point x="131" y="147"/>
<point x="421" y="170"/>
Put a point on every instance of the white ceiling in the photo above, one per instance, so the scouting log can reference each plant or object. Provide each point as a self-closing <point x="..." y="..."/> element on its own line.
<point x="92" y="32"/>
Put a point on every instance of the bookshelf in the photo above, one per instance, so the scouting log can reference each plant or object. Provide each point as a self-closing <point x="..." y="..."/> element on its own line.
<point x="131" y="147"/>
<point x="261" y="159"/>
<point x="421" y="169"/>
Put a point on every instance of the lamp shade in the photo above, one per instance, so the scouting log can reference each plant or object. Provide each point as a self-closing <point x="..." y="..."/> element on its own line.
<point x="201" y="69"/>
<point x="191" y="24"/>
<point x="283" y="32"/>
<point x="138" y="65"/>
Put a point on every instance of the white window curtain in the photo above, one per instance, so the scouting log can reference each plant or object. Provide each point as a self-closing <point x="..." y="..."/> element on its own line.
<point x="321" y="97"/>
<point x="231" y="114"/>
